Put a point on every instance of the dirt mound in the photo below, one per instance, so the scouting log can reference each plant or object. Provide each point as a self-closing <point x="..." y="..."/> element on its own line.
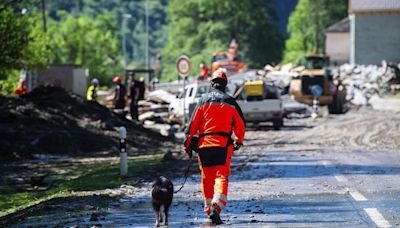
<point x="50" y="120"/>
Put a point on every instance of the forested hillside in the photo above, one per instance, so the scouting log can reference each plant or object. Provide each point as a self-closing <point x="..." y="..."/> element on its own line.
<point x="89" y="32"/>
<point x="307" y="25"/>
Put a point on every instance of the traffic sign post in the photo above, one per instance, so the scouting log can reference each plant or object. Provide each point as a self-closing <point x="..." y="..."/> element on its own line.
<point x="183" y="68"/>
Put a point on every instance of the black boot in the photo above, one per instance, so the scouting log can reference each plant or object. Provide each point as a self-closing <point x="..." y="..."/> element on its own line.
<point x="214" y="216"/>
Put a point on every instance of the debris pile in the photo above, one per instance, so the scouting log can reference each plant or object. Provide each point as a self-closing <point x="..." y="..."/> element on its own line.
<point x="280" y="75"/>
<point x="155" y="107"/>
<point x="364" y="82"/>
<point x="50" y="120"/>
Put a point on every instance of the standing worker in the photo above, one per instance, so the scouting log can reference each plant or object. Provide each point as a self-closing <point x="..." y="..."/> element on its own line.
<point x="142" y="88"/>
<point x="91" y="94"/>
<point x="203" y="71"/>
<point x="21" y="89"/>
<point x="134" y="95"/>
<point x="215" y="118"/>
<point x="119" y="93"/>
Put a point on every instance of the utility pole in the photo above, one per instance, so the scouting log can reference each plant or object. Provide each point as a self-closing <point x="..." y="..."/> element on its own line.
<point x="147" y="34"/>
<point x="43" y="6"/>
<point x="123" y="30"/>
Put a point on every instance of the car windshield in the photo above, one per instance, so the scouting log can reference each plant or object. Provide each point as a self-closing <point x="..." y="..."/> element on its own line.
<point x="315" y="63"/>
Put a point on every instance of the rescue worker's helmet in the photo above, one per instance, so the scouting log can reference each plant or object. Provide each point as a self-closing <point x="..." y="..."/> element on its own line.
<point x="219" y="74"/>
<point x="117" y="79"/>
<point x="95" y="81"/>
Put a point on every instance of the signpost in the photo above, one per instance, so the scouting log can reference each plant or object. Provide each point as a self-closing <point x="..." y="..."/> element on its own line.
<point x="183" y="68"/>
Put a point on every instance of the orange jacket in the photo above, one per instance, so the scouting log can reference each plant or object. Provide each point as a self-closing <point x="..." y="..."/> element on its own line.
<point x="20" y="91"/>
<point x="216" y="114"/>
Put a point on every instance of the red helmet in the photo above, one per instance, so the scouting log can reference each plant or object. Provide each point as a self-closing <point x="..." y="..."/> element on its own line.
<point x="117" y="79"/>
<point x="219" y="74"/>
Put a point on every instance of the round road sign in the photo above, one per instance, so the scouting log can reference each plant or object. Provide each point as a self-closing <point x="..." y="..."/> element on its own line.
<point x="183" y="65"/>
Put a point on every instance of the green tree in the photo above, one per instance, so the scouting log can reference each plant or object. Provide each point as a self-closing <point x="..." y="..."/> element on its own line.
<point x="92" y="43"/>
<point x="22" y="41"/>
<point x="135" y="30"/>
<point x="307" y="24"/>
<point x="200" y="27"/>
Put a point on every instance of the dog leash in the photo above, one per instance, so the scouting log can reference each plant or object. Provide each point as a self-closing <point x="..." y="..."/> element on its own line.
<point x="186" y="175"/>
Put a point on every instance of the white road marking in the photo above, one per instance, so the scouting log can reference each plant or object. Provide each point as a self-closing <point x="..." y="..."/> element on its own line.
<point x="340" y="178"/>
<point x="377" y="217"/>
<point x="326" y="163"/>
<point x="357" y="196"/>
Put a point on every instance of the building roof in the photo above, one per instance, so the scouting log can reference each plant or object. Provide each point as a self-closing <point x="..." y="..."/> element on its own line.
<point x="374" y="6"/>
<point x="341" y="26"/>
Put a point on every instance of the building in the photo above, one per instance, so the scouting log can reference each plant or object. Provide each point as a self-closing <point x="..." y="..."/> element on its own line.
<point x="337" y="42"/>
<point x="68" y="76"/>
<point x="374" y="31"/>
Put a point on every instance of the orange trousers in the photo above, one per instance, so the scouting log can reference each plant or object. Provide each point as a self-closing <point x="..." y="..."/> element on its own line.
<point x="214" y="184"/>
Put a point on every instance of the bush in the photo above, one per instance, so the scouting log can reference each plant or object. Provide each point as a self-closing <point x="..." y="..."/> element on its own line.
<point x="7" y="87"/>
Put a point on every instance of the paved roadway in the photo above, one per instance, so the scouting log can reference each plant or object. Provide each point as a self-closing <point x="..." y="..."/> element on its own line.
<point x="341" y="171"/>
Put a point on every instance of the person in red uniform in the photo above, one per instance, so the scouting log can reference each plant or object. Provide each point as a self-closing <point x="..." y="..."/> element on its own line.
<point x="220" y="125"/>
<point x="203" y="71"/>
<point x="21" y="89"/>
<point x="119" y="99"/>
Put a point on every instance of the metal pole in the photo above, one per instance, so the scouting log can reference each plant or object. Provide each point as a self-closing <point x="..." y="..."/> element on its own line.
<point x="184" y="102"/>
<point x="123" y="42"/>
<point x="123" y="157"/>
<point x="124" y="18"/>
<point x="314" y="114"/>
<point x="147" y="35"/>
<point x="44" y="16"/>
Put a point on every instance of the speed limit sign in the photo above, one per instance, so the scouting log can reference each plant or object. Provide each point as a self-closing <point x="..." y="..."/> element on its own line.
<point x="183" y="65"/>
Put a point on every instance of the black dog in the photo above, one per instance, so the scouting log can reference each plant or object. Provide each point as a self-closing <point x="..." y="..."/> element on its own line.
<point x="162" y="194"/>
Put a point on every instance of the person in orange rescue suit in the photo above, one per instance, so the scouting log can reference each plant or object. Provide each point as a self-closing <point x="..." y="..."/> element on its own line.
<point x="215" y="118"/>
<point x="203" y="71"/>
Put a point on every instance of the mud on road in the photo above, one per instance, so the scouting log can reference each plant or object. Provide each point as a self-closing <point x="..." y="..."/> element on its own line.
<point x="341" y="171"/>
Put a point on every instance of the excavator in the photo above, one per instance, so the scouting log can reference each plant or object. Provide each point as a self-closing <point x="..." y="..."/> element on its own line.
<point x="230" y="61"/>
<point x="315" y="85"/>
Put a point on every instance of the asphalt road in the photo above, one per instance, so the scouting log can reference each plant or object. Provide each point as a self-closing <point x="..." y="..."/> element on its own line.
<point x="340" y="171"/>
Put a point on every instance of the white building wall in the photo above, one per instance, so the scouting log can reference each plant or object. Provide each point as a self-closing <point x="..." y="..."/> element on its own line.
<point x="375" y="37"/>
<point x="338" y="47"/>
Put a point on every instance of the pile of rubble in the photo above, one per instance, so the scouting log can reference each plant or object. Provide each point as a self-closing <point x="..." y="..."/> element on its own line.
<point x="155" y="107"/>
<point x="280" y="75"/>
<point x="364" y="82"/>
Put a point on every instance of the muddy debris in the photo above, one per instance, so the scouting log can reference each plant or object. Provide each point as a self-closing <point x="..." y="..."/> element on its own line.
<point x="52" y="121"/>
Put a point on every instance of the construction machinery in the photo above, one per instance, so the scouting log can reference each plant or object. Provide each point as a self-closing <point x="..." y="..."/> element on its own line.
<point x="230" y="61"/>
<point x="315" y="85"/>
